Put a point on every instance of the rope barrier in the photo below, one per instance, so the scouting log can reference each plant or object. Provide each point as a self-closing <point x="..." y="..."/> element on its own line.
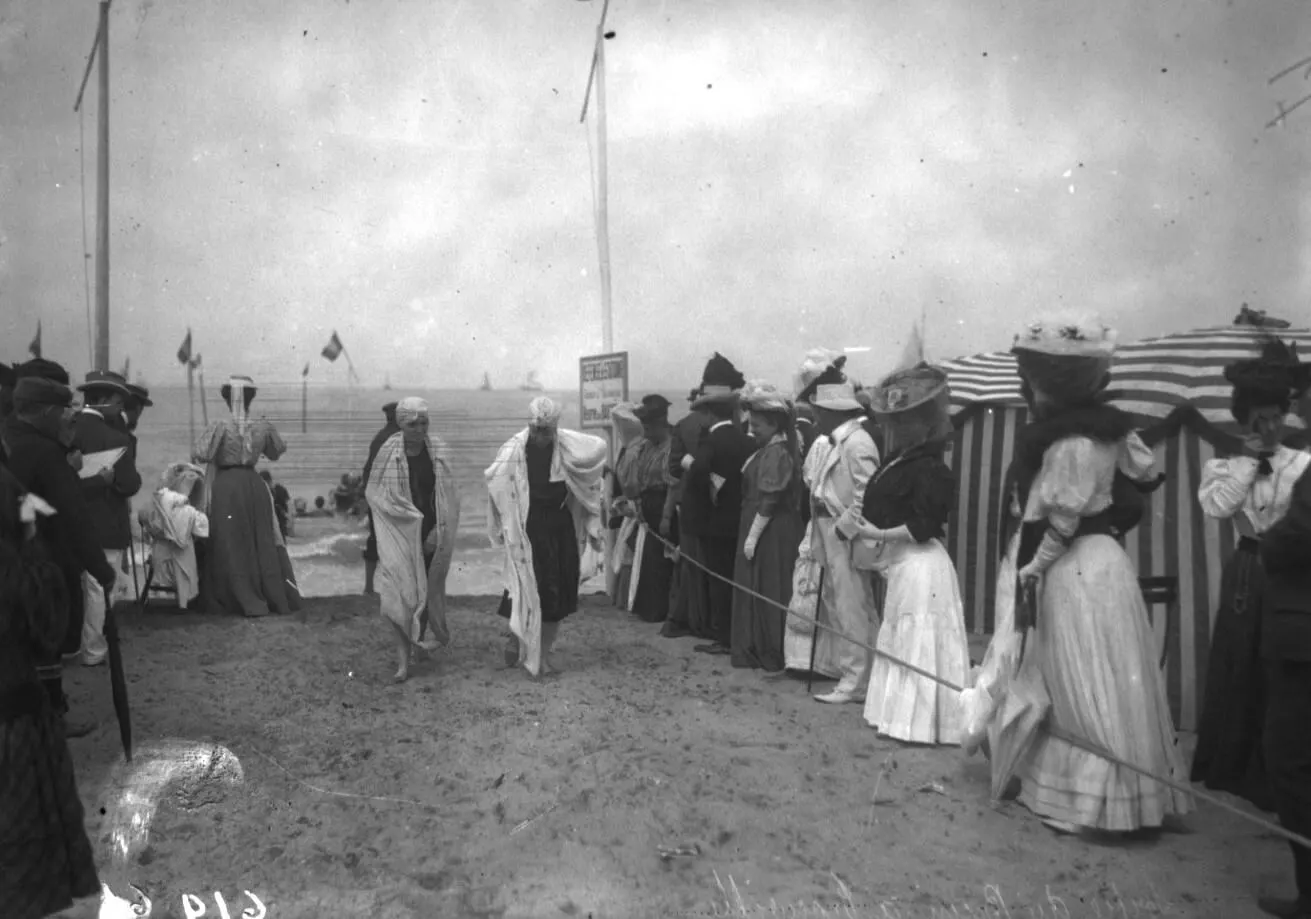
<point x="1058" y="733"/>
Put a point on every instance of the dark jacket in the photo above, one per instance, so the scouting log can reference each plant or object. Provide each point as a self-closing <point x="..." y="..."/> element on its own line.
<point x="1286" y="557"/>
<point x="108" y="502"/>
<point x="722" y="452"/>
<point x="683" y="441"/>
<point x="40" y="464"/>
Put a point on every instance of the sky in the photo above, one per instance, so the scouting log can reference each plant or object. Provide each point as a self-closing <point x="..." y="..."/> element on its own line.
<point x="781" y="176"/>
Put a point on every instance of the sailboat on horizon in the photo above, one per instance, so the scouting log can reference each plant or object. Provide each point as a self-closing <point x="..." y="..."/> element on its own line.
<point x="486" y="384"/>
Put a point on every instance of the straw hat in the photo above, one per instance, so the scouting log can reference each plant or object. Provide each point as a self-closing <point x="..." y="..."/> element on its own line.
<point x="759" y="396"/>
<point x="1066" y="356"/>
<point x="916" y="398"/>
<point x="836" y="397"/>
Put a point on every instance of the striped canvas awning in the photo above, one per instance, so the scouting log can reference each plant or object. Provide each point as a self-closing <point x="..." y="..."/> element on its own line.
<point x="1152" y="377"/>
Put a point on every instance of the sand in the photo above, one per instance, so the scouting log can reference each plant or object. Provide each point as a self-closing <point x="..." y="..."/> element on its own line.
<point x="473" y="790"/>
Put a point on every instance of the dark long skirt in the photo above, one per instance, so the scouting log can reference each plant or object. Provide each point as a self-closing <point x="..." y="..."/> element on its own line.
<point x="757" y="625"/>
<point x="1229" y="752"/>
<point x="246" y="572"/>
<point x="46" y="859"/>
<point x="556" y="563"/>
<point x="657" y="573"/>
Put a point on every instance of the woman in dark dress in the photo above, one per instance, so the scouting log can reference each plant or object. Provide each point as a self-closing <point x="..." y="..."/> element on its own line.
<point x="1253" y="490"/>
<point x="772" y="528"/>
<point x="645" y="483"/>
<point x="46" y="860"/>
<point x="247" y="569"/>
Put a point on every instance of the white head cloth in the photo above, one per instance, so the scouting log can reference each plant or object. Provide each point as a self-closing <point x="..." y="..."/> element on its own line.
<point x="545" y="412"/>
<point x="409" y="409"/>
<point x="237" y="386"/>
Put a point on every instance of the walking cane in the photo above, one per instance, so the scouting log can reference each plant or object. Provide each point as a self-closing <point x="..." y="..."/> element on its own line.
<point x="814" y="638"/>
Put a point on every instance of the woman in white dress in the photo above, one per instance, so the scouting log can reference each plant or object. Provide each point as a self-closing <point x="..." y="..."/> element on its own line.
<point x="899" y="534"/>
<point x="1090" y="646"/>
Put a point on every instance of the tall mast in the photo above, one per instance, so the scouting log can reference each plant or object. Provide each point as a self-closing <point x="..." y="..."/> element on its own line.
<point x="101" y="48"/>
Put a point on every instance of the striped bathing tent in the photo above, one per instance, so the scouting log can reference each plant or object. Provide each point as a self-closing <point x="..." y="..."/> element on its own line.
<point x="1175" y="388"/>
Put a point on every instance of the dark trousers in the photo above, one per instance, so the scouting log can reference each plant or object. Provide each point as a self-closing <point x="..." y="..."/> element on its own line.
<point x="1288" y="756"/>
<point x="720" y="555"/>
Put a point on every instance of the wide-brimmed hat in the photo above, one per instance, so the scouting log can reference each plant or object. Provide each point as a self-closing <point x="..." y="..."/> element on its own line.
<point x="836" y="397"/>
<point x="1273" y="376"/>
<point x="820" y="366"/>
<point x="1067" y="335"/>
<point x="44" y="369"/>
<point x="759" y="396"/>
<point x="105" y="381"/>
<point x="36" y="390"/>
<point x="140" y="394"/>
<point x="919" y="397"/>
<point x="719" y="383"/>
<point x="654" y="407"/>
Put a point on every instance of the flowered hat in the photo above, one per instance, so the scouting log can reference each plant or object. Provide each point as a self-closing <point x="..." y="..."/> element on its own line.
<point x="759" y="396"/>
<point x="1067" y="356"/>
<point x="821" y="366"/>
<point x="1272" y="376"/>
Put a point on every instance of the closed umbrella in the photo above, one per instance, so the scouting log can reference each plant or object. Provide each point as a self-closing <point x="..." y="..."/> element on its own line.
<point x="117" y="681"/>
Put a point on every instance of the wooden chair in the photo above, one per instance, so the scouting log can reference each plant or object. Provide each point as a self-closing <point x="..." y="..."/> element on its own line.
<point x="1162" y="591"/>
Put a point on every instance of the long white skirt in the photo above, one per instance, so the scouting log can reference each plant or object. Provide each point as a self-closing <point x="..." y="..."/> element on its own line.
<point x="1096" y="651"/>
<point x="924" y="625"/>
<point x="799" y="635"/>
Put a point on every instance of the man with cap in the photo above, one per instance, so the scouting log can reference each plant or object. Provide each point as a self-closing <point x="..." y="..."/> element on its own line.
<point x="371" y="547"/>
<point x="713" y="483"/>
<point x="544" y="507"/>
<point x="98" y="428"/>
<point x="37" y="438"/>
<point x="688" y="579"/>
<point x="839" y="467"/>
<point x="1286" y="652"/>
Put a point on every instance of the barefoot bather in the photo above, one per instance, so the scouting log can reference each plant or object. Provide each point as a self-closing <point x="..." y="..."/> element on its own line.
<point x="416" y="514"/>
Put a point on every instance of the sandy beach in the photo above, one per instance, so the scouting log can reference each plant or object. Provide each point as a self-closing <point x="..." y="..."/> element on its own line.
<point x="474" y="790"/>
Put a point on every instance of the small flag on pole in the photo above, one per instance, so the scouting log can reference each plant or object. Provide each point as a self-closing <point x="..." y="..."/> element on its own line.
<point x="195" y="362"/>
<point x="184" y="353"/>
<point x="35" y="347"/>
<point x="306" y="371"/>
<point x="332" y="350"/>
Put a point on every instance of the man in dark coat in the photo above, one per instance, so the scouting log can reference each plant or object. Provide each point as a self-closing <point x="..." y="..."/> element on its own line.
<point x="37" y="438"/>
<point x="371" y="547"/>
<point x="714" y="475"/>
<point x="1286" y="650"/>
<point x="683" y="442"/>
<point x="108" y="494"/>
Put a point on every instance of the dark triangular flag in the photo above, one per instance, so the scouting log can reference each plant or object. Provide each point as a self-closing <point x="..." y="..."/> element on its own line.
<point x="184" y="353"/>
<point x="332" y="350"/>
<point x="306" y="371"/>
<point x="35" y="347"/>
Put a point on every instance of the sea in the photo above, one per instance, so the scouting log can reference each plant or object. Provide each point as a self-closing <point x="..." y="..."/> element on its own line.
<point x="328" y="431"/>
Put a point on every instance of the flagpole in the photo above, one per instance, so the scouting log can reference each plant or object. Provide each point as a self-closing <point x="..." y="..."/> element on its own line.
<point x="204" y="405"/>
<point x="304" y="400"/>
<point x="102" y="199"/>
<point x="191" y="399"/>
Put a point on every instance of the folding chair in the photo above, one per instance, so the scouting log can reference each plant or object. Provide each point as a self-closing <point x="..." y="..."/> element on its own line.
<point x="149" y="537"/>
<point x="1162" y="591"/>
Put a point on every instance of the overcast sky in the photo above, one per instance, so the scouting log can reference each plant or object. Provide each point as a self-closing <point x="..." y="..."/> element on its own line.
<point x="782" y="176"/>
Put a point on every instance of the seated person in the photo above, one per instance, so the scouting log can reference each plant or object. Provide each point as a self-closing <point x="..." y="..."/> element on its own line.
<point x="173" y="524"/>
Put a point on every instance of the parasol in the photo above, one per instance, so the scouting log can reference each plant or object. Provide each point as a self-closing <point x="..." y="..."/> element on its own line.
<point x="1025" y="704"/>
<point x="117" y="681"/>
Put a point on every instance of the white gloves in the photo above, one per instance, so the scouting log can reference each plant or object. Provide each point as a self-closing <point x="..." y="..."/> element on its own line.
<point x="1053" y="546"/>
<point x="753" y="536"/>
